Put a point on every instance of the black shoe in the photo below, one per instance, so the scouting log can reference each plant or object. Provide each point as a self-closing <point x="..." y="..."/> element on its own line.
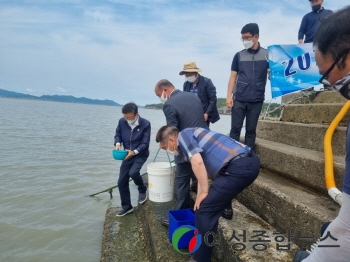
<point x="300" y="255"/>
<point x="142" y="198"/>
<point x="165" y="222"/>
<point x="124" y="212"/>
<point x="227" y="213"/>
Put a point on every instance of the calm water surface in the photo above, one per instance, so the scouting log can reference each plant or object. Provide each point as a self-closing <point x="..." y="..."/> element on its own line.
<point x="52" y="155"/>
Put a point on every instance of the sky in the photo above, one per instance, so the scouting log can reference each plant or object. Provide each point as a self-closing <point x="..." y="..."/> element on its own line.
<point x="119" y="49"/>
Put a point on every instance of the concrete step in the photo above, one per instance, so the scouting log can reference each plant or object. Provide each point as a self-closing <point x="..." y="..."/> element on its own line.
<point x="246" y="222"/>
<point x="159" y="248"/>
<point x="288" y="205"/>
<point x="321" y="113"/>
<point x="313" y="97"/>
<point x="122" y="239"/>
<point x="156" y="236"/>
<point x="309" y="136"/>
<point x="299" y="164"/>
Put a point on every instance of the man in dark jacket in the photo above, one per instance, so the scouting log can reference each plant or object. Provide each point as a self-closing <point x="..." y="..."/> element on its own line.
<point x="246" y="86"/>
<point x="133" y="132"/>
<point x="182" y="110"/>
<point x="203" y="88"/>
<point x="311" y="21"/>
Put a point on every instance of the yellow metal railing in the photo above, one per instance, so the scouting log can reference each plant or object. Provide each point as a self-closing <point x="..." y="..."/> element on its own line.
<point x="328" y="154"/>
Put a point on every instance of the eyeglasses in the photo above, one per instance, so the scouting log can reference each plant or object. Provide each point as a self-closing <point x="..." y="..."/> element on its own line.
<point x="246" y="38"/>
<point x="324" y="78"/>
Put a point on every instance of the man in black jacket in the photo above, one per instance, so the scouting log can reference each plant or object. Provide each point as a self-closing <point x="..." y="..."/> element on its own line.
<point x="202" y="87"/>
<point x="133" y="132"/>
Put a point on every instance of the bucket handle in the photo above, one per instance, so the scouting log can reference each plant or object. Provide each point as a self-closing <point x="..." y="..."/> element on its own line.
<point x="171" y="182"/>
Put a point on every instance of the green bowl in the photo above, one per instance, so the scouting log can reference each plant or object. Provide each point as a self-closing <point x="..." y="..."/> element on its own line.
<point x="119" y="154"/>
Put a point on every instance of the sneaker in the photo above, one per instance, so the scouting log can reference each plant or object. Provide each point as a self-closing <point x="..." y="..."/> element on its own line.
<point x="124" y="212"/>
<point x="227" y="213"/>
<point x="142" y="198"/>
<point x="191" y="260"/>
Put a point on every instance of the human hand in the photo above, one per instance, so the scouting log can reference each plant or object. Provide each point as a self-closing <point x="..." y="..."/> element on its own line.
<point x="229" y="102"/>
<point x="117" y="147"/>
<point x="130" y="154"/>
<point x="206" y="117"/>
<point x="200" y="197"/>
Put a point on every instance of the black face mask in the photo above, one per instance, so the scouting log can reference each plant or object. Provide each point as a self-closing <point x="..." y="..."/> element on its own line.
<point x="315" y="8"/>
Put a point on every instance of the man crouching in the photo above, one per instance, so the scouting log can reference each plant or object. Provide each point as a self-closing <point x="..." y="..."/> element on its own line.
<point x="231" y="165"/>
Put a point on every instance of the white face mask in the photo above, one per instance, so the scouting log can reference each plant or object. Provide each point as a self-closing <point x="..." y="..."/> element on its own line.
<point x="173" y="153"/>
<point x="131" y="122"/>
<point x="191" y="79"/>
<point x="248" y="44"/>
<point x="162" y="98"/>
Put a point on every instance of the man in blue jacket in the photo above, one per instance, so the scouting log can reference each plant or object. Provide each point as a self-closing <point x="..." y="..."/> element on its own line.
<point x="311" y="21"/>
<point x="133" y="132"/>
<point x="203" y="88"/>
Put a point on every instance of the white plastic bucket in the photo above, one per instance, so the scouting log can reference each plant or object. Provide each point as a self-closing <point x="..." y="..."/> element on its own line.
<point x="161" y="181"/>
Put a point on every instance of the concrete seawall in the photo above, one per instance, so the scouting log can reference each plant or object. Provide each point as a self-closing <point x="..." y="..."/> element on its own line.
<point x="288" y="197"/>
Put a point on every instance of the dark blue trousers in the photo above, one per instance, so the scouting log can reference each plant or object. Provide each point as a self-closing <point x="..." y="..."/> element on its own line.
<point x="183" y="175"/>
<point x="131" y="168"/>
<point x="238" y="175"/>
<point x="250" y="111"/>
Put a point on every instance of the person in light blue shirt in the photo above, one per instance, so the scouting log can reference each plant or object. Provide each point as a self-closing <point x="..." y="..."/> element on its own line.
<point x="232" y="166"/>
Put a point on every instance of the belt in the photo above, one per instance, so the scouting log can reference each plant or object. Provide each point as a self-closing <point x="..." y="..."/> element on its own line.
<point x="240" y="156"/>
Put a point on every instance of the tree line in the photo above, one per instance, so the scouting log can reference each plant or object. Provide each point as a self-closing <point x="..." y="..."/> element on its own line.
<point x="221" y="102"/>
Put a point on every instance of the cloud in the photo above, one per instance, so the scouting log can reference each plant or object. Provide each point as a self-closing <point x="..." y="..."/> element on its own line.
<point x="119" y="49"/>
<point x="61" y="90"/>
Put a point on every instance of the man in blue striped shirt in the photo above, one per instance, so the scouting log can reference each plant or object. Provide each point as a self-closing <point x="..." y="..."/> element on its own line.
<point x="231" y="165"/>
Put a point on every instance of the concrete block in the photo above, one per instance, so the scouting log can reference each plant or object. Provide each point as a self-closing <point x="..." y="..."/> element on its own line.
<point x="287" y="205"/>
<point x="313" y="97"/>
<point x="329" y="97"/>
<point x="122" y="239"/>
<point x="299" y="164"/>
<point x="245" y="220"/>
<point x="309" y="136"/>
<point x="156" y="235"/>
<point x="314" y="113"/>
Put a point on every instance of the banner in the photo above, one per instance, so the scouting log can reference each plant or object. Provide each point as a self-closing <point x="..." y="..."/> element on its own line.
<point x="293" y="68"/>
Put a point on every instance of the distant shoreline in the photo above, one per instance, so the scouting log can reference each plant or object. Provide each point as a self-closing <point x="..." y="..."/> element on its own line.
<point x="48" y="100"/>
<point x="58" y="98"/>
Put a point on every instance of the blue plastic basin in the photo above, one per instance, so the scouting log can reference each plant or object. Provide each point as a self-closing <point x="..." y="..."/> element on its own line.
<point x="119" y="154"/>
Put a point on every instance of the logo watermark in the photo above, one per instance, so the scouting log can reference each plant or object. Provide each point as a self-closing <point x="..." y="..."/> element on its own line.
<point x="193" y="244"/>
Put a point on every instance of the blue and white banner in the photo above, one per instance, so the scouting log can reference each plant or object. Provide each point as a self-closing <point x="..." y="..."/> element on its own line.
<point x="293" y="68"/>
